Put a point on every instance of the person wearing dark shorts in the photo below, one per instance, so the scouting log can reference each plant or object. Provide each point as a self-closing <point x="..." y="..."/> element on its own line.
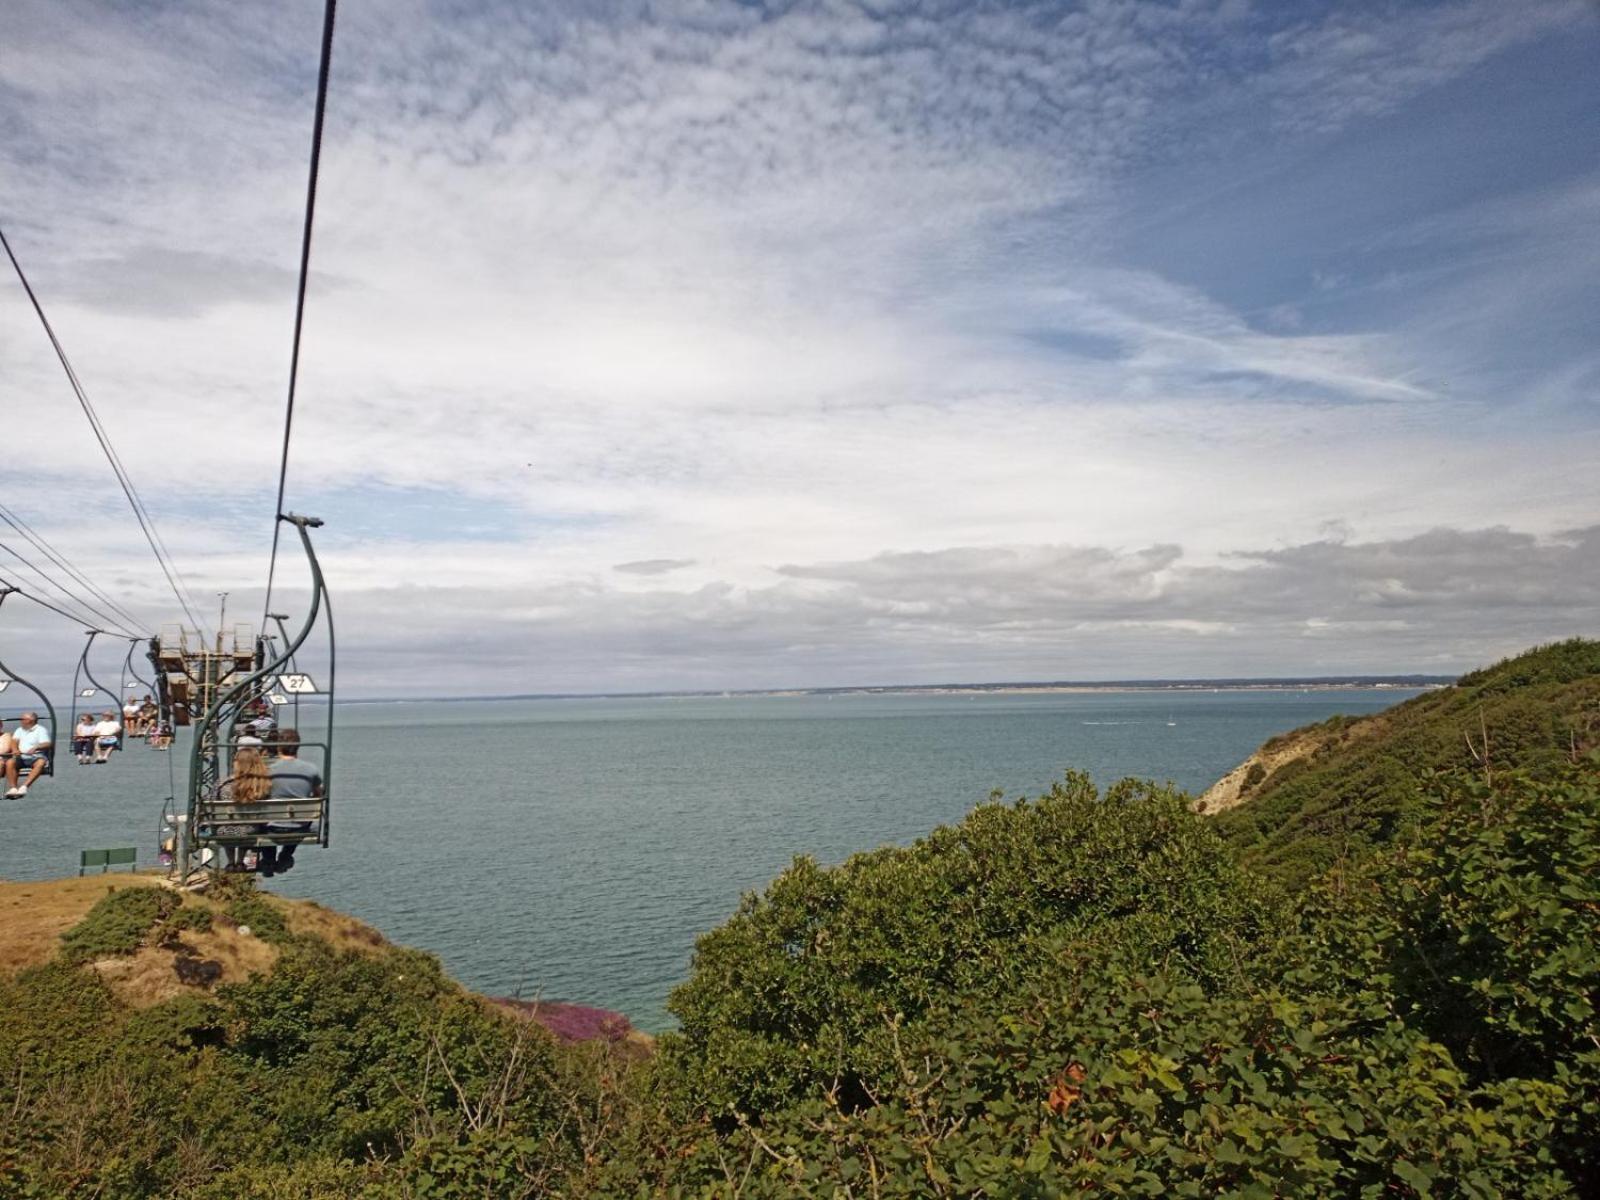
<point x="32" y="742"/>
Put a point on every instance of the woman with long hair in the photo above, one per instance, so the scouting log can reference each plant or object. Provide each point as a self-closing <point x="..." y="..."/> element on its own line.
<point x="250" y="783"/>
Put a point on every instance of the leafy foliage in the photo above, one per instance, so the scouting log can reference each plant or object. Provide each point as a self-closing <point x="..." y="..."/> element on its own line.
<point x="329" y="1061"/>
<point x="789" y="992"/>
<point x="1379" y="978"/>
<point x="1495" y="939"/>
<point x="265" y="922"/>
<point x="1366" y="783"/>
<point x="118" y="923"/>
<point x="190" y="918"/>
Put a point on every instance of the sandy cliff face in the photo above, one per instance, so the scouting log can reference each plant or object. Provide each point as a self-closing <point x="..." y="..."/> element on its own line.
<point x="1255" y="773"/>
<point x="1237" y="785"/>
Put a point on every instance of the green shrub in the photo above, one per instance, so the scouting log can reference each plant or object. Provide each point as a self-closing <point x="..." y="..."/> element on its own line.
<point x="265" y="922"/>
<point x="1494" y="938"/>
<point x="789" y="992"/>
<point x="1082" y="994"/>
<point x="56" y="1020"/>
<point x="118" y="923"/>
<point x="1100" y="1079"/>
<point x="191" y="918"/>
<point x="1367" y="784"/>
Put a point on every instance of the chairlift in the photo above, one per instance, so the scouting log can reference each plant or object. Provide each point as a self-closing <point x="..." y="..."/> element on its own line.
<point x="214" y="823"/>
<point x="8" y="677"/>
<point x="95" y="688"/>
<point x="132" y="681"/>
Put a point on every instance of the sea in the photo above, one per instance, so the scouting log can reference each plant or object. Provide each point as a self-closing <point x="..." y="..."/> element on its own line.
<point x="572" y="849"/>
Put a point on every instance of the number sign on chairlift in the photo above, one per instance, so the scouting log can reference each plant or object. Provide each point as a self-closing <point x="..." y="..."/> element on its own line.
<point x="85" y="693"/>
<point x="4" y="684"/>
<point x="278" y="698"/>
<point x="297" y="685"/>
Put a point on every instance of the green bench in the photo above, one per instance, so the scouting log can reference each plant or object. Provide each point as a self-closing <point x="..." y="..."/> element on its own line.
<point x="106" y="859"/>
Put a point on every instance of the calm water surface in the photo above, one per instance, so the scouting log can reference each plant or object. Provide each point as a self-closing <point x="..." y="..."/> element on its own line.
<point x="572" y="849"/>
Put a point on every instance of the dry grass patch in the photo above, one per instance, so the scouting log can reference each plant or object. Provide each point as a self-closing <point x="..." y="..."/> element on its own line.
<point x="33" y="916"/>
<point x="338" y="930"/>
<point x="148" y="977"/>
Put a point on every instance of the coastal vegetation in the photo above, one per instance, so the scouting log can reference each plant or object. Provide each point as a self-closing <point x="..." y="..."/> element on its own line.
<point x="1376" y="975"/>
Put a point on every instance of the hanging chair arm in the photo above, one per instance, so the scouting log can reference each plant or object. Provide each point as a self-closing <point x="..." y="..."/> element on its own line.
<point x="249" y="682"/>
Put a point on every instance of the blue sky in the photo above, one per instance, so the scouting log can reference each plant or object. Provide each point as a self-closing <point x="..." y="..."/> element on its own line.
<point x="696" y="344"/>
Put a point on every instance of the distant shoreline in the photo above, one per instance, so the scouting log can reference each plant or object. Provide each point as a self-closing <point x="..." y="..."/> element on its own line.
<point x="1321" y="683"/>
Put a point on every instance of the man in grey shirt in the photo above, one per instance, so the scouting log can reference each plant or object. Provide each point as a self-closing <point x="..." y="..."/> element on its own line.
<point x="292" y="779"/>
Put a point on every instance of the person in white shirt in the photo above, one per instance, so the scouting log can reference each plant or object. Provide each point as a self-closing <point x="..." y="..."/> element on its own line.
<point x="107" y="736"/>
<point x="32" y="744"/>
<point x="83" y="737"/>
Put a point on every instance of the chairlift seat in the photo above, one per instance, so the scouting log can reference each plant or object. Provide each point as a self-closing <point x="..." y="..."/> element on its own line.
<point x="263" y="823"/>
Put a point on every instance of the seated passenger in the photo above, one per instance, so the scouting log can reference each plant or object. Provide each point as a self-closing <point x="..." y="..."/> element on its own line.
<point x="130" y="717"/>
<point x="32" y="744"/>
<point x="107" y="736"/>
<point x="292" y="779"/>
<point x="161" y="737"/>
<point x="8" y="748"/>
<point x="83" y="737"/>
<point x="250" y="783"/>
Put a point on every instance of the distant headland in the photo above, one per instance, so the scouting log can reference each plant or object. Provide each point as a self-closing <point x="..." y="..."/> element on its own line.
<point x="1008" y="687"/>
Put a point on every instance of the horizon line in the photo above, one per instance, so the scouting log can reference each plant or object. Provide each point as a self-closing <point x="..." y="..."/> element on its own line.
<point x="1412" y="679"/>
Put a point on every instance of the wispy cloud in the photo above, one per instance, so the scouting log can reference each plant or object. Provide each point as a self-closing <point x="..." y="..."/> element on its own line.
<point x="619" y="309"/>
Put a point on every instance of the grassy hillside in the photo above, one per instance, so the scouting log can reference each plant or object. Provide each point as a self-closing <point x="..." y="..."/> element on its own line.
<point x="1351" y="784"/>
<point x="1082" y="994"/>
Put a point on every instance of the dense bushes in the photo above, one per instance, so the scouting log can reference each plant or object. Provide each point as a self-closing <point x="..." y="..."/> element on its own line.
<point x="1393" y="994"/>
<point x="1369" y="778"/>
<point x="790" y="993"/>
<point x="1494" y="940"/>
<point x="1423" y="1025"/>
<point x="330" y="1059"/>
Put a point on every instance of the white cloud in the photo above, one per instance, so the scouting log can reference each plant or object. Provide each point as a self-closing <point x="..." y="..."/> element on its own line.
<point x="686" y="293"/>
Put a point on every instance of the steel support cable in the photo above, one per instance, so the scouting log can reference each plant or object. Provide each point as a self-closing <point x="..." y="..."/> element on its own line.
<point x="300" y="295"/>
<point x="66" y="595"/>
<point x="39" y="542"/>
<point x="141" y="511"/>
<point x="158" y="545"/>
<point x="27" y="595"/>
<point x="141" y="514"/>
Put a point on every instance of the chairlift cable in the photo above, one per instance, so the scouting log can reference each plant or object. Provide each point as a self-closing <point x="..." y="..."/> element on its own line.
<point x="39" y="542"/>
<point x="66" y="594"/>
<point x="140" y="512"/>
<point x="27" y="595"/>
<point x="300" y="296"/>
